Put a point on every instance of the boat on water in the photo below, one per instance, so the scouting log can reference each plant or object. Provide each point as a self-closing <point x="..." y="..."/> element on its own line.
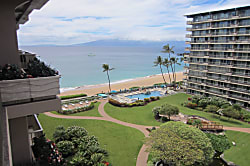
<point x="91" y="54"/>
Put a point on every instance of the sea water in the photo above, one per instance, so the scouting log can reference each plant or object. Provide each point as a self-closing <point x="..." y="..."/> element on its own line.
<point x="82" y="65"/>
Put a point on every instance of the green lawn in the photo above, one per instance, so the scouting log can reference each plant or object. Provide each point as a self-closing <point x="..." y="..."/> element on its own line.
<point x="123" y="143"/>
<point x="92" y="112"/>
<point x="239" y="154"/>
<point x="143" y="115"/>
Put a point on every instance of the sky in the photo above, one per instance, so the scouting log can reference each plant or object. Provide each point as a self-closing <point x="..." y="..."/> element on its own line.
<point x="66" y="22"/>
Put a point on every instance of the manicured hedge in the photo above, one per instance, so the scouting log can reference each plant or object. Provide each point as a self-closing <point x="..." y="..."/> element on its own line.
<point x="76" y="110"/>
<point x="72" y="96"/>
<point x="136" y="103"/>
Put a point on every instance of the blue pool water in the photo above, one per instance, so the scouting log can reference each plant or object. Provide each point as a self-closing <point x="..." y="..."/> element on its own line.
<point x="142" y="96"/>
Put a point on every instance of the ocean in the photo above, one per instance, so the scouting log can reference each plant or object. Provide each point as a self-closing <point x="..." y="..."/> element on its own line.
<point x="77" y="68"/>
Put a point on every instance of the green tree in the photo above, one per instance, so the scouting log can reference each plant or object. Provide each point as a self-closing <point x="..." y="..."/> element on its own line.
<point x="159" y="62"/>
<point x="220" y="143"/>
<point x="169" y="110"/>
<point x="178" y="144"/>
<point x="169" y="50"/>
<point x="106" y="68"/>
<point x="167" y="63"/>
<point x="156" y="111"/>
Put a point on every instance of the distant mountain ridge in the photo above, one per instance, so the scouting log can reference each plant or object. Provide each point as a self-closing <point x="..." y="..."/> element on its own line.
<point x="131" y="43"/>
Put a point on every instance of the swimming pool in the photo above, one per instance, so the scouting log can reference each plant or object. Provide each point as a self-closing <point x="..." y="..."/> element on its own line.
<point x="142" y="96"/>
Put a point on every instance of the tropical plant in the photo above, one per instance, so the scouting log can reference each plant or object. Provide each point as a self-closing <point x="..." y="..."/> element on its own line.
<point x="60" y="134"/>
<point x="169" y="50"/>
<point x="10" y="72"/>
<point x="169" y="110"/>
<point x="178" y="144"/>
<point x="66" y="148"/>
<point x="167" y="63"/>
<point x="159" y="62"/>
<point x="230" y="112"/>
<point x="106" y="68"/>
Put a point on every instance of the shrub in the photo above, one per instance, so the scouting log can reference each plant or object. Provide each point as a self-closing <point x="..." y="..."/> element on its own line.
<point x="60" y="134"/>
<point x="152" y="98"/>
<point x="196" y="98"/>
<point x="72" y="96"/>
<point x="191" y="105"/>
<point x="115" y="102"/>
<point x="156" y="112"/>
<point x="75" y="132"/>
<point x="147" y="100"/>
<point x="164" y="119"/>
<point x="199" y="108"/>
<point x="231" y="113"/>
<point x="66" y="148"/>
<point x="10" y="72"/>
<point x="37" y="68"/>
<point x="203" y="102"/>
<point x="220" y="143"/>
<point x="211" y="108"/>
<point x="157" y="97"/>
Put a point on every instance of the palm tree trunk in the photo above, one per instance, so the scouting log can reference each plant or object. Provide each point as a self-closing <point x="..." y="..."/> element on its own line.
<point x="163" y="76"/>
<point x="171" y="65"/>
<point x="174" y="77"/>
<point x="109" y="82"/>
<point x="169" y="76"/>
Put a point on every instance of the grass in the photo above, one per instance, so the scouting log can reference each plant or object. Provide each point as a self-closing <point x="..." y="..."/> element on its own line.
<point x="144" y="116"/>
<point x="123" y="143"/>
<point x="238" y="154"/>
<point x="92" y="112"/>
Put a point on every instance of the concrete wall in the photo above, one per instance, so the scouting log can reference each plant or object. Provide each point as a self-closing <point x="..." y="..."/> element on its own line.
<point x="21" y="150"/>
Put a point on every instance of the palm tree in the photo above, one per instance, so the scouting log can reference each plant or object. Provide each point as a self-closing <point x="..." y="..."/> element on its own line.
<point x="159" y="62"/>
<point x="174" y="62"/>
<point x="107" y="69"/>
<point x="166" y="63"/>
<point x="167" y="49"/>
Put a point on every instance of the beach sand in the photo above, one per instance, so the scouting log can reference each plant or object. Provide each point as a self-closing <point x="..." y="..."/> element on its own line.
<point x="143" y="81"/>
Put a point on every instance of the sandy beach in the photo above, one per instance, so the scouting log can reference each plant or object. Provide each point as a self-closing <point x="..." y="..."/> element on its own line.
<point x="143" y="81"/>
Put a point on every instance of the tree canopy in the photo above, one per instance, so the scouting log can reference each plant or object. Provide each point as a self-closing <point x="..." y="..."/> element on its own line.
<point x="169" y="110"/>
<point x="177" y="143"/>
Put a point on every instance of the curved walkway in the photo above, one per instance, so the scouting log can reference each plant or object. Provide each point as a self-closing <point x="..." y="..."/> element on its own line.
<point x="143" y="155"/>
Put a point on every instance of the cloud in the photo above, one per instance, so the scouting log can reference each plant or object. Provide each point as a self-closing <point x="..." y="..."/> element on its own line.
<point x="77" y="21"/>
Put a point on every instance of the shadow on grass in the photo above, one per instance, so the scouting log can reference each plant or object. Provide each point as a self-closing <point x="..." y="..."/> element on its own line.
<point x="227" y="120"/>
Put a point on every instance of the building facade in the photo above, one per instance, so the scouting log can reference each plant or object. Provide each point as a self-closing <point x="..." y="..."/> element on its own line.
<point x="219" y="56"/>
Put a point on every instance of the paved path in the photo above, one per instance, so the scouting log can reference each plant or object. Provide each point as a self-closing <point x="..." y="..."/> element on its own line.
<point x="142" y="156"/>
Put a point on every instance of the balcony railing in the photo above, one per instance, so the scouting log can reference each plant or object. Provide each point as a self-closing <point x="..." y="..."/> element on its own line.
<point x="188" y="35"/>
<point x="242" y="57"/>
<point x="244" y="32"/>
<point x="239" y="89"/>
<point x="239" y="97"/>
<point x="218" y="63"/>
<point x="220" y="56"/>
<point x="241" y="74"/>
<point x="217" y="71"/>
<point x="215" y="91"/>
<point x="240" y="81"/>
<point x="189" y="29"/>
<point x="242" y="65"/>
<point x="242" y="49"/>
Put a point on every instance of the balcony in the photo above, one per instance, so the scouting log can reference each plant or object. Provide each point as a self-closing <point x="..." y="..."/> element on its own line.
<point x="188" y="35"/>
<point x="215" y="91"/>
<point x="241" y="74"/>
<point x="189" y="22"/>
<point x="244" y="32"/>
<point x="186" y="55"/>
<point x="242" y="57"/>
<point x="30" y="89"/>
<point x="242" y="49"/>
<point x="247" y="99"/>
<point x="187" y="42"/>
<point x="217" y="71"/>
<point x="187" y="49"/>
<point x="241" y="65"/>
<point x="240" y="81"/>
<point x="239" y="89"/>
<point x="189" y="29"/>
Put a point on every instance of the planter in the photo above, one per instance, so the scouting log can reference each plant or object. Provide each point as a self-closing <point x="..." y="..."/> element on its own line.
<point x="28" y="89"/>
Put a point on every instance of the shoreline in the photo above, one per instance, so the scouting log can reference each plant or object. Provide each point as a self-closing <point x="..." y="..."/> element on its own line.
<point x="117" y="85"/>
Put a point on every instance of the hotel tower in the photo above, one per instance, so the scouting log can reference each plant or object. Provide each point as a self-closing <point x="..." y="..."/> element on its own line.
<point x="219" y="54"/>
